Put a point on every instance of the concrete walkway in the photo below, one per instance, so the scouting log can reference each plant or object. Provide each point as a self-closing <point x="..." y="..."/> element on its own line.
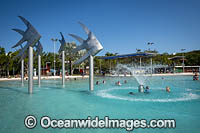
<point x="46" y="77"/>
<point x="107" y="75"/>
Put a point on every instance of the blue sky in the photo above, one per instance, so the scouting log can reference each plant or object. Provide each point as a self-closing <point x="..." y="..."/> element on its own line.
<point x="120" y="25"/>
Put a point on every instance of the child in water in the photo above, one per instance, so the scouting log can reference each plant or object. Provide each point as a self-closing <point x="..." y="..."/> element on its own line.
<point x="118" y="83"/>
<point x="97" y="83"/>
<point x="167" y="89"/>
<point x="196" y="76"/>
<point x="147" y="89"/>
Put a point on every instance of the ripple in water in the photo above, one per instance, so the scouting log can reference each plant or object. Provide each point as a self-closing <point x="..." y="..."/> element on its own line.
<point x="183" y="96"/>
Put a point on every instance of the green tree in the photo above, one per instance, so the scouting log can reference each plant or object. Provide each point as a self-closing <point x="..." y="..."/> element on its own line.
<point x="3" y="60"/>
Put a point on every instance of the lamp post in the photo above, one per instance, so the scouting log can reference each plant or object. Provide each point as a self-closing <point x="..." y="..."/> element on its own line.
<point x="151" y="43"/>
<point x="151" y="66"/>
<point x="54" y="62"/>
<point x="139" y="51"/>
<point x="183" y="63"/>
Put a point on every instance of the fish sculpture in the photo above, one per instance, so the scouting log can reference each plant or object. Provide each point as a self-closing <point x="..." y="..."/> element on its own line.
<point x="39" y="49"/>
<point x="91" y="44"/>
<point x="31" y="36"/>
<point x="63" y="43"/>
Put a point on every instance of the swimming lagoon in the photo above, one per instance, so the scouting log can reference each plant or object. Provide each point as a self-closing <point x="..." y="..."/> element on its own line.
<point x="75" y="101"/>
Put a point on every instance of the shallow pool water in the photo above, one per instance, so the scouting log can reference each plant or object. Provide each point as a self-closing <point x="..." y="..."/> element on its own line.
<point x="74" y="101"/>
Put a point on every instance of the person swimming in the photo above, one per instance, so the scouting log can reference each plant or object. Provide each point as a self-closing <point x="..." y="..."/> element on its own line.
<point x="104" y="82"/>
<point x="118" y="83"/>
<point x="168" y="89"/>
<point x="131" y="93"/>
<point x="97" y="83"/>
<point x="147" y="89"/>
<point x="196" y="76"/>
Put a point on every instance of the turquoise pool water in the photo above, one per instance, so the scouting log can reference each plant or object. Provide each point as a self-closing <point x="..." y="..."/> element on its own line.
<point x="74" y="101"/>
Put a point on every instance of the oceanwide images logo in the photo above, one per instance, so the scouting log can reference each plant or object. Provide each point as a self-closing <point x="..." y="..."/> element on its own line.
<point x="129" y="124"/>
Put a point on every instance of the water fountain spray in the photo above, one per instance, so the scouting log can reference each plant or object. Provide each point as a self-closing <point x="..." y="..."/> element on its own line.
<point x="140" y="73"/>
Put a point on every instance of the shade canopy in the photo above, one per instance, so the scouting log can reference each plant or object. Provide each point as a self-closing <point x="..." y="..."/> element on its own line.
<point x="128" y="55"/>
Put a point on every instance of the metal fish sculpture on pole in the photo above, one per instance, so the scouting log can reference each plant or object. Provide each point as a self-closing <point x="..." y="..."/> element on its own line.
<point x="31" y="36"/>
<point x="62" y="50"/>
<point x="93" y="46"/>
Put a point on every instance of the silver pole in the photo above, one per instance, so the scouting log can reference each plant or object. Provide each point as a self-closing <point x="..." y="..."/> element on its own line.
<point x="91" y="76"/>
<point x="39" y="69"/>
<point x="140" y="62"/>
<point x="22" y="71"/>
<point x="54" y="72"/>
<point x="100" y="66"/>
<point x="63" y="67"/>
<point x="151" y="67"/>
<point x="30" y="70"/>
<point x="183" y="63"/>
